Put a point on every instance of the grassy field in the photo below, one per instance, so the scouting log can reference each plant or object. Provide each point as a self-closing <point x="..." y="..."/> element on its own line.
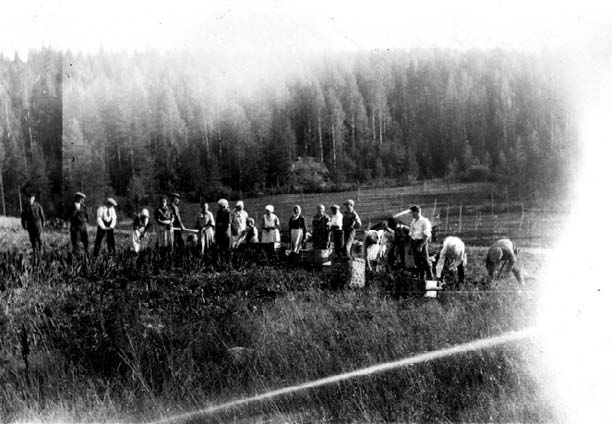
<point x="138" y="338"/>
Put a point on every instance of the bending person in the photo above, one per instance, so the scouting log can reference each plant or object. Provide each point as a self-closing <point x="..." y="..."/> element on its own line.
<point x="503" y="252"/>
<point x="452" y="254"/>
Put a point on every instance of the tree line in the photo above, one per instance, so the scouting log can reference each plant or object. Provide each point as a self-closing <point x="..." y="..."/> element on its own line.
<point x="135" y="124"/>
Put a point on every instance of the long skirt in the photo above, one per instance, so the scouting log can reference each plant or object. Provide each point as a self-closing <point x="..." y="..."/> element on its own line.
<point x="206" y="238"/>
<point x="270" y="236"/>
<point x="165" y="238"/>
<point x="297" y="236"/>
<point x="139" y="242"/>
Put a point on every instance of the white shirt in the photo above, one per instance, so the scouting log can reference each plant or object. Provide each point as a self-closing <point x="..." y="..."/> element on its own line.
<point x="420" y="229"/>
<point x="336" y="219"/>
<point x="452" y="248"/>
<point x="106" y="214"/>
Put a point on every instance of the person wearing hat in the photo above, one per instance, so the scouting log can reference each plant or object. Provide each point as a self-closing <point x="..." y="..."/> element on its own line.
<point x="177" y="222"/>
<point x="350" y="223"/>
<point x="140" y="228"/>
<point x="222" y="230"/>
<point x="106" y="218"/>
<point x="239" y="222"/>
<point x="503" y="252"/>
<point x="33" y="220"/>
<point x="270" y="228"/>
<point x="335" y="226"/>
<point x="78" y="223"/>
<point x="320" y="229"/>
<point x="420" y="233"/>
<point x="163" y="217"/>
<point x="205" y="224"/>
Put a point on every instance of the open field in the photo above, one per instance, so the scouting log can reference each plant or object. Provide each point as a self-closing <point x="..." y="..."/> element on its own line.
<point x="479" y="213"/>
<point x="137" y="338"/>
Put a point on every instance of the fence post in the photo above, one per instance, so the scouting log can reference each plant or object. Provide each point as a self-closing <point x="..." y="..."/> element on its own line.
<point x="507" y="201"/>
<point x="447" y="208"/>
<point x="433" y="213"/>
<point x="460" y="213"/>
<point x="522" y="215"/>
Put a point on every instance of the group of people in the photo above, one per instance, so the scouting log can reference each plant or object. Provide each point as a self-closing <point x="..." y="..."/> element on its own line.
<point x="232" y="228"/>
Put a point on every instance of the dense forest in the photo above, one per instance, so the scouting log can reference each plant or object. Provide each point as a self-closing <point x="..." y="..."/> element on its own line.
<point x="135" y="124"/>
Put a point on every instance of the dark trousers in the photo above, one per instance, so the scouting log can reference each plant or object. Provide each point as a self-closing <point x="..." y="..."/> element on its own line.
<point x="179" y="243"/>
<point x="110" y="241"/>
<point x="421" y="259"/>
<point x="79" y="235"/>
<point x="338" y="238"/>
<point x="349" y="238"/>
<point x="36" y="239"/>
<point x="222" y="241"/>
<point x="398" y="251"/>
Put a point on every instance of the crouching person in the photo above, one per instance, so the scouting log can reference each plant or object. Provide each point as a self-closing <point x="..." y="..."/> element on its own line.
<point x="452" y="255"/>
<point x="140" y="228"/>
<point x="503" y="252"/>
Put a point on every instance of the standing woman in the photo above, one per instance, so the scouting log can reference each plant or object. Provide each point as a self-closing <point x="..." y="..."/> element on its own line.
<point x="222" y="231"/>
<point x="205" y="224"/>
<point x="297" y="228"/>
<point x="164" y="217"/>
<point x="271" y="226"/>
<point x="239" y="222"/>
<point x="320" y="229"/>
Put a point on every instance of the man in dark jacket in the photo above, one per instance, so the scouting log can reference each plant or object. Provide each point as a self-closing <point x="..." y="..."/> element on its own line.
<point x="177" y="222"/>
<point x="78" y="223"/>
<point x="33" y="220"/>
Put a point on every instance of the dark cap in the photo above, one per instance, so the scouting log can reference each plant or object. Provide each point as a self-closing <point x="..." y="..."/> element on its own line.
<point x="79" y="194"/>
<point x="175" y="195"/>
<point x="415" y="208"/>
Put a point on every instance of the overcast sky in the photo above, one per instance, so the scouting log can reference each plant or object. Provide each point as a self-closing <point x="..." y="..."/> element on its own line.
<point x="299" y="26"/>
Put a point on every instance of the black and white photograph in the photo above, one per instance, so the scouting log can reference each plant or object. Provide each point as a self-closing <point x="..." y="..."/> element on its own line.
<point x="305" y="212"/>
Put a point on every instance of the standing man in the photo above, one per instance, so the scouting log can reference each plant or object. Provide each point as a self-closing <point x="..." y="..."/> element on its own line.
<point x="106" y="218"/>
<point x="503" y="252"/>
<point x="350" y="223"/>
<point x="33" y="220"/>
<point x="401" y="242"/>
<point x="453" y="251"/>
<point x="78" y="223"/>
<point x="335" y="226"/>
<point x="177" y="222"/>
<point x="420" y="233"/>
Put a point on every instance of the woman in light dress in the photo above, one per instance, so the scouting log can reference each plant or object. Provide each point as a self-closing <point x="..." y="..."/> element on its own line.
<point x="297" y="228"/>
<point x="239" y="222"/>
<point x="270" y="228"/>
<point x="205" y="224"/>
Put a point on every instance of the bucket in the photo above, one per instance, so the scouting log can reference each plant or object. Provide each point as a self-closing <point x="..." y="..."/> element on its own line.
<point x="431" y="288"/>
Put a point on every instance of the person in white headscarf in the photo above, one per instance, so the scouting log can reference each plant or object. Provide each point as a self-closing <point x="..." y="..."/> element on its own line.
<point x="270" y="228"/>
<point x="239" y="222"/>
<point x="140" y="228"/>
<point x="297" y="228"/>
